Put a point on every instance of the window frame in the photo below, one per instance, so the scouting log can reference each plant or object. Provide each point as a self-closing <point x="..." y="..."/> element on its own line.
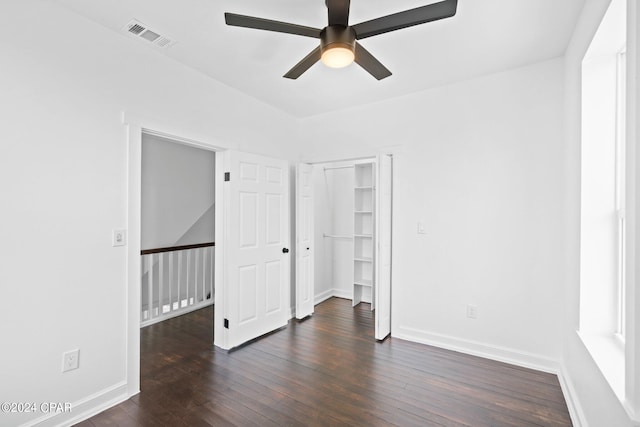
<point x="620" y="191"/>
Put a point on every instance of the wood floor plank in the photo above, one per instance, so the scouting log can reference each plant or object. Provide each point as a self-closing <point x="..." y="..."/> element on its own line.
<point x="327" y="370"/>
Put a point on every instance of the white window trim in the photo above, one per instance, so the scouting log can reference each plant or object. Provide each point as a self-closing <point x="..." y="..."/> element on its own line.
<point x="621" y="177"/>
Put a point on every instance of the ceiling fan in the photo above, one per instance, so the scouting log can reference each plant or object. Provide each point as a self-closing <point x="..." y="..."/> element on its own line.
<point x="338" y="46"/>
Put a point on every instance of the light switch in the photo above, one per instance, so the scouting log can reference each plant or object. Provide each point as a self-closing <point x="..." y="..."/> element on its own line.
<point x="119" y="238"/>
<point x="421" y="229"/>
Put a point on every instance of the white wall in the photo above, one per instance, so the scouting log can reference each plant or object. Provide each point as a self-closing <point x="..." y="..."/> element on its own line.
<point x="177" y="194"/>
<point x="479" y="163"/>
<point x="342" y="225"/>
<point x="63" y="171"/>
<point x="322" y="217"/>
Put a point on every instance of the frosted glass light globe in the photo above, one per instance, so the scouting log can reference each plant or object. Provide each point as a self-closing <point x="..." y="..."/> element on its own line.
<point x="337" y="57"/>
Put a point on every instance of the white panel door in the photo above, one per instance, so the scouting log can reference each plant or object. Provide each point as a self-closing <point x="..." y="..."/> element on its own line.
<point x="383" y="253"/>
<point x="304" y="241"/>
<point x="256" y="246"/>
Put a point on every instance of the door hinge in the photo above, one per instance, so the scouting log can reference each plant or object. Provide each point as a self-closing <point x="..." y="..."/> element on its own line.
<point x="226" y="323"/>
<point x="227" y="176"/>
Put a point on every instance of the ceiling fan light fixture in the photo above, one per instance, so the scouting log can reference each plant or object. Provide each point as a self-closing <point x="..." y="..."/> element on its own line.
<point x="338" y="46"/>
<point x="338" y="57"/>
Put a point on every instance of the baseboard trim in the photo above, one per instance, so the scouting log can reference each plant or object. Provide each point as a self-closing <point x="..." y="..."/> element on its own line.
<point x="474" y="348"/>
<point x="338" y="293"/>
<point x="85" y="408"/>
<point x="576" y="413"/>
<point x="341" y="293"/>
<point x="322" y="297"/>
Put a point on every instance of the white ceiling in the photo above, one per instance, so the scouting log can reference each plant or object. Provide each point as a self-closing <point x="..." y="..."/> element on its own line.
<point x="485" y="36"/>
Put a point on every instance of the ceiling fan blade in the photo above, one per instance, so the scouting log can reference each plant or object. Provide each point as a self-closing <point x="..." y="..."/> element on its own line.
<point x="370" y="63"/>
<point x="304" y="65"/>
<point x="269" y="25"/>
<point x="408" y="18"/>
<point x="338" y="12"/>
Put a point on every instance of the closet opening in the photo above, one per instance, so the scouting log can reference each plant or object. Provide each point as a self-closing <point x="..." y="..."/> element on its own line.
<point x="351" y="217"/>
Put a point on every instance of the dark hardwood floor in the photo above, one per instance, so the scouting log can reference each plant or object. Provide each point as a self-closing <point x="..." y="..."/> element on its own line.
<point x="326" y="371"/>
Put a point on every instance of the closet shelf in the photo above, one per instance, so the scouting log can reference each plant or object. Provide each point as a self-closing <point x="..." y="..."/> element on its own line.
<point x="363" y="282"/>
<point x="334" y="236"/>
<point x="363" y="238"/>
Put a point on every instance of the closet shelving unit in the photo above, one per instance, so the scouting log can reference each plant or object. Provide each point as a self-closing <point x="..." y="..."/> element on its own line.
<point x="363" y="237"/>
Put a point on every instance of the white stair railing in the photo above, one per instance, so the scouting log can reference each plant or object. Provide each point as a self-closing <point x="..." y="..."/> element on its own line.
<point x="175" y="281"/>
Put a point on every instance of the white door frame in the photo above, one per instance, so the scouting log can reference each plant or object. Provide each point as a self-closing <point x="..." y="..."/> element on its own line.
<point x="135" y="126"/>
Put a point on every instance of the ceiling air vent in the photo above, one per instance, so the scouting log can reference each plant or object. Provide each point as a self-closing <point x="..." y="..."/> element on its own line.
<point x="136" y="29"/>
<point x="140" y="30"/>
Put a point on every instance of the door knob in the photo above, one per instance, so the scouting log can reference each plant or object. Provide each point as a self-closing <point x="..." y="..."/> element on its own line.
<point x="285" y="250"/>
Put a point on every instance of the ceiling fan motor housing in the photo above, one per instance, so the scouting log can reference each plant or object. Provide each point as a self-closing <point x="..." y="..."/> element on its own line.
<point x="337" y="36"/>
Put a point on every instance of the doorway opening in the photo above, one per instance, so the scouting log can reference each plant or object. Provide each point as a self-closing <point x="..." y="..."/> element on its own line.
<point x="137" y="127"/>
<point x="177" y="228"/>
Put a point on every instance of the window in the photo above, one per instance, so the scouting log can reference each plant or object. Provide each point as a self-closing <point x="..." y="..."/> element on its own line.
<point x="602" y="196"/>
<point x="603" y="214"/>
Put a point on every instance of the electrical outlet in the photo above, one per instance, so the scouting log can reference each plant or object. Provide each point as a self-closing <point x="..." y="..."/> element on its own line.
<point x="421" y="229"/>
<point x="119" y="238"/>
<point x="472" y="312"/>
<point x="70" y="360"/>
